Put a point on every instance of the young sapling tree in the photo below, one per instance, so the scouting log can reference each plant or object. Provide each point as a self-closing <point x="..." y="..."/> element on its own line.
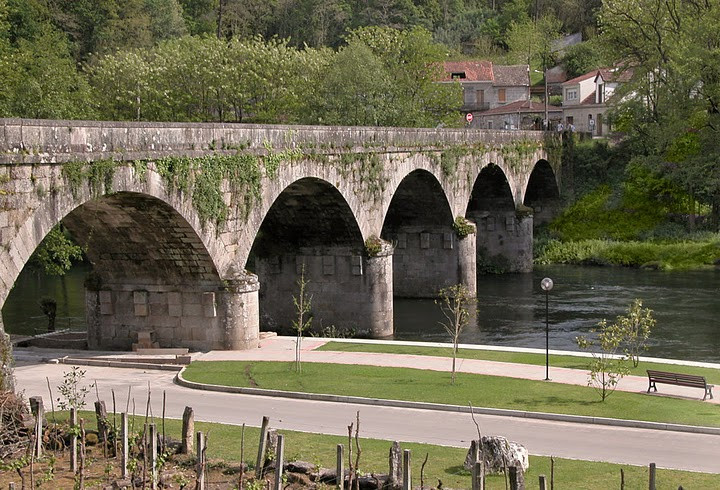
<point x="303" y="303"/>
<point x="454" y="302"/>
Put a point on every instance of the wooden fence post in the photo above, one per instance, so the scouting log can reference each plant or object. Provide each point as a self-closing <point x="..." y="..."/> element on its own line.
<point x="478" y="477"/>
<point x="153" y="456"/>
<point x="200" y="448"/>
<point x="340" y="468"/>
<point x="124" y="457"/>
<point x="188" y="430"/>
<point x="279" y="462"/>
<point x="652" y="476"/>
<point x="407" y="475"/>
<point x="543" y="482"/>
<point x="73" y="440"/>
<point x="517" y="478"/>
<point x="36" y="406"/>
<point x="261" y="449"/>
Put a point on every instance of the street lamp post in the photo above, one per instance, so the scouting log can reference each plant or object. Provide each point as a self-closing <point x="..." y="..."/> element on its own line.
<point x="546" y="285"/>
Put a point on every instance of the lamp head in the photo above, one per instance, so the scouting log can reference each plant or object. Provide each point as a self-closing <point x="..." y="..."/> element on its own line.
<point x="546" y="284"/>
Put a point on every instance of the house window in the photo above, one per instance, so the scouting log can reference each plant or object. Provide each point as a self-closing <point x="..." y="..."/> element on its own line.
<point x="501" y="95"/>
<point x="489" y="124"/>
<point x="480" y="97"/>
<point x="571" y="94"/>
<point x="569" y="120"/>
<point x="601" y="93"/>
<point x="457" y="75"/>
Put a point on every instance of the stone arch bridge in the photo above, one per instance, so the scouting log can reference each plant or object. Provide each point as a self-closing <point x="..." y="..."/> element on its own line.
<point x="199" y="232"/>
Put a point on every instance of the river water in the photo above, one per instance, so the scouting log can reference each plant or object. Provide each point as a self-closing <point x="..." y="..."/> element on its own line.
<point x="511" y="308"/>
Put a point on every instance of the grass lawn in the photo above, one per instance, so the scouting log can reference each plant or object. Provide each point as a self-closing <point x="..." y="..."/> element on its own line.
<point x="573" y="362"/>
<point x="444" y="463"/>
<point x="433" y="386"/>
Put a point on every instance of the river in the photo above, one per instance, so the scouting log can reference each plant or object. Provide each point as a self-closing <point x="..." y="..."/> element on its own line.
<point x="511" y="308"/>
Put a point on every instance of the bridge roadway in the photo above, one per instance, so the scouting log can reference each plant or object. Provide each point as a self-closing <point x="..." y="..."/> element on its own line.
<point x="677" y="450"/>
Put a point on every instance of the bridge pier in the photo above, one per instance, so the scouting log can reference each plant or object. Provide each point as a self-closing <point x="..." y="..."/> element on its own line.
<point x="240" y="309"/>
<point x="467" y="262"/>
<point x="178" y="315"/>
<point x="504" y="241"/>
<point x="347" y="290"/>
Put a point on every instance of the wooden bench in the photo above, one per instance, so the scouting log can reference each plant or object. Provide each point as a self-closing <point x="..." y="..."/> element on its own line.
<point x="679" y="379"/>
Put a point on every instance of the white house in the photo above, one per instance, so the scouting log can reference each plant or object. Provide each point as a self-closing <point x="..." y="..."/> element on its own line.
<point x="586" y="99"/>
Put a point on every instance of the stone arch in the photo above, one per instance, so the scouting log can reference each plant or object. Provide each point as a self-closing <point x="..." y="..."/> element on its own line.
<point x="273" y="189"/>
<point x="542" y="192"/>
<point x="151" y="257"/>
<point x="419" y="223"/>
<point x="310" y="229"/>
<point x="502" y="231"/>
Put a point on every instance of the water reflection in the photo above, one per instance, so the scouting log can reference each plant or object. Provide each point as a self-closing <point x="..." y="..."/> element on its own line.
<point x="511" y="309"/>
<point x="21" y="312"/>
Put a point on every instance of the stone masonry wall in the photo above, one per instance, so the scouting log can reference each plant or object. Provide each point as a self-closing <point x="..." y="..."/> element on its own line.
<point x="425" y="260"/>
<point x="177" y="316"/>
<point x="340" y="283"/>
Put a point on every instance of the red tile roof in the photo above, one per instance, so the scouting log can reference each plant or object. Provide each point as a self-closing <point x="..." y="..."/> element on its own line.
<point x="511" y="75"/>
<point x="608" y="74"/>
<point x="581" y="78"/>
<point x="485" y="71"/>
<point x="475" y="71"/>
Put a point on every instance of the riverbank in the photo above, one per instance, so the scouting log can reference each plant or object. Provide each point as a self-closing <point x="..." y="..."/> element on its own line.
<point x="696" y="252"/>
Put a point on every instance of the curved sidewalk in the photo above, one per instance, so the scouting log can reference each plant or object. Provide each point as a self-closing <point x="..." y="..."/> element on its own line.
<point x="283" y="349"/>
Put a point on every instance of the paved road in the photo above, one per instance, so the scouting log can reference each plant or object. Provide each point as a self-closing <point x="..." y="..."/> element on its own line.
<point x="696" y="452"/>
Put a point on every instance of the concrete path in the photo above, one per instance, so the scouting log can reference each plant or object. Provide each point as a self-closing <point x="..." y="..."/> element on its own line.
<point x="283" y="349"/>
<point x="677" y="450"/>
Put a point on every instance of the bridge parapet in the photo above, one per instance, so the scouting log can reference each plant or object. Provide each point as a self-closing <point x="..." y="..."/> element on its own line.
<point x="50" y="141"/>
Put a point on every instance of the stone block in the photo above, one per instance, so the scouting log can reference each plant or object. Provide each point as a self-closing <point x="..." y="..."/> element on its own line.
<point x="106" y="308"/>
<point x="401" y="241"/>
<point x="174" y="298"/>
<point x="328" y="265"/>
<point x="273" y="265"/>
<point x="141" y="310"/>
<point x="424" y="240"/>
<point x="175" y="310"/>
<point x="208" y="304"/>
<point x="199" y="333"/>
<point x="140" y="297"/>
<point x="191" y="298"/>
<point x="157" y="298"/>
<point x="448" y="241"/>
<point x="192" y="309"/>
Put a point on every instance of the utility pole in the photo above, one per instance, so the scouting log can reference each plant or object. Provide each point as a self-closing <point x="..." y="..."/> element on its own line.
<point x="547" y="117"/>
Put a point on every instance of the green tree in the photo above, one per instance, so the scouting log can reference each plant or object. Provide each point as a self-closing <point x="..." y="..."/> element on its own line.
<point x="454" y="302"/>
<point x="635" y="329"/>
<point x="412" y="61"/>
<point x="529" y="41"/>
<point x="56" y="253"/>
<point x="200" y="15"/>
<point x="607" y="366"/>
<point x="166" y="19"/>
<point x="670" y="108"/>
<point x="354" y="91"/>
<point x="303" y="305"/>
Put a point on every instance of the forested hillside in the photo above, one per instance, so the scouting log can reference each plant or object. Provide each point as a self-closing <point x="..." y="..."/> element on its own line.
<point x="375" y="62"/>
<point x="304" y="61"/>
